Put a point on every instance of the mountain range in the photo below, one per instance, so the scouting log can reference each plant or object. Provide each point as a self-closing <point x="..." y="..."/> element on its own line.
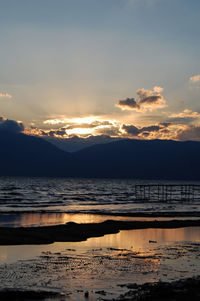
<point x="24" y="155"/>
<point x="75" y="143"/>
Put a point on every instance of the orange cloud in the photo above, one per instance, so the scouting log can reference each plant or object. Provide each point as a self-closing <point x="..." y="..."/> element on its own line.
<point x="186" y="114"/>
<point x="195" y="78"/>
<point x="5" y="95"/>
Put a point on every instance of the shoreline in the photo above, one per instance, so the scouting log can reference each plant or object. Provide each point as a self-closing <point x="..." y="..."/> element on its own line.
<point x="119" y="214"/>
<point x="73" y="232"/>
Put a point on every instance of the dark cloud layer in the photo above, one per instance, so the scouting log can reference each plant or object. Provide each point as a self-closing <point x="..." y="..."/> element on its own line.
<point x="11" y="125"/>
<point x="150" y="99"/>
<point x="190" y="133"/>
<point x="135" y="131"/>
<point x="131" y="130"/>
<point x="128" y="104"/>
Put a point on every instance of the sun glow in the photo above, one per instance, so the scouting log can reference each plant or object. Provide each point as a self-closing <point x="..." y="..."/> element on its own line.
<point x="81" y="126"/>
<point x="80" y="131"/>
<point x="79" y="120"/>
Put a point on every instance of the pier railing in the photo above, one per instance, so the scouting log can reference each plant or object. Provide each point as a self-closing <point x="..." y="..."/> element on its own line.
<point x="167" y="192"/>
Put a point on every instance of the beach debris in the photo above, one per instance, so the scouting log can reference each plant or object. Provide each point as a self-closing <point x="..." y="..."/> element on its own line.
<point x="153" y="241"/>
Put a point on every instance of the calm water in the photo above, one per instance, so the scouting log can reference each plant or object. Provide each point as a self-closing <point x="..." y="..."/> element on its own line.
<point x="80" y="196"/>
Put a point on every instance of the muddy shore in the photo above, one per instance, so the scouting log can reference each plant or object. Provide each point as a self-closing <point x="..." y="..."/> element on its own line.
<point x="72" y="232"/>
<point x="181" y="290"/>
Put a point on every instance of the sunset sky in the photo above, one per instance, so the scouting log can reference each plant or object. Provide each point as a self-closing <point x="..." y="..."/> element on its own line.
<point x="124" y="68"/>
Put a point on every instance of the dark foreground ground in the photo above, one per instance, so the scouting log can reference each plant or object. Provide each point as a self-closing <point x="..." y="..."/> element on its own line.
<point x="182" y="290"/>
<point x="80" y="232"/>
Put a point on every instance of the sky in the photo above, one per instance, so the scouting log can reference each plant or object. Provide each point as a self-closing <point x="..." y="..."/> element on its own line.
<point x="124" y="68"/>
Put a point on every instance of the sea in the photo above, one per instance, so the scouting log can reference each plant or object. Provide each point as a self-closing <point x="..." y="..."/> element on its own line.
<point x="85" y="196"/>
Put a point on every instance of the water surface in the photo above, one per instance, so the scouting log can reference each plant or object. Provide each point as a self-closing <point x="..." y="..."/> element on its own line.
<point x="38" y="195"/>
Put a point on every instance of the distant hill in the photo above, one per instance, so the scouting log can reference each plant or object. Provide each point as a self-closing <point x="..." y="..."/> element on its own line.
<point x="76" y="143"/>
<point x="23" y="155"/>
<point x="142" y="159"/>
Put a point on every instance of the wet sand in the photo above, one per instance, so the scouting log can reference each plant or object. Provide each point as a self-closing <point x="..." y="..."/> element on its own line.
<point x="80" y="232"/>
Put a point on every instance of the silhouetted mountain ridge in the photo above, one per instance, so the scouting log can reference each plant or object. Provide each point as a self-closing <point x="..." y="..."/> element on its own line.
<point x="143" y="159"/>
<point x="76" y="143"/>
<point x="23" y="155"/>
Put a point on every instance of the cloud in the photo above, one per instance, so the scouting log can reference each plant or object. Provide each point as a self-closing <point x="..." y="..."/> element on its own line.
<point x="135" y="131"/>
<point x="53" y="121"/>
<point x="112" y="131"/>
<point x="88" y="125"/>
<point x="11" y="125"/>
<point x="151" y="99"/>
<point x="152" y="128"/>
<point x="165" y="124"/>
<point x="148" y="100"/>
<point x="56" y="133"/>
<point x="186" y="114"/>
<point x="128" y="104"/>
<point x="190" y="133"/>
<point x="184" y="117"/>
<point x="131" y="130"/>
<point x="5" y="95"/>
<point x="195" y="78"/>
<point x="158" y="89"/>
<point x="164" y="130"/>
<point x="77" y="127"/>
<point x="175" y="126"/>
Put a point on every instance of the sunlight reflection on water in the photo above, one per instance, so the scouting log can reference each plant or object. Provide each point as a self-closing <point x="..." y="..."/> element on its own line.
<point x="136" y="240"/>
<point x="47" y="219"/>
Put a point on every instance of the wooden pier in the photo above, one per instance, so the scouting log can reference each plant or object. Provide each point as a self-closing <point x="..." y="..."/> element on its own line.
<point x="167" y="192"/>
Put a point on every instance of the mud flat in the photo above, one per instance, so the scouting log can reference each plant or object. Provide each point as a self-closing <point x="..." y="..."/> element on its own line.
<point x="110" y="267"/>
<point x="183" y="290"/>
<point x="20" y="295"/>
<point x="80" y="232"/>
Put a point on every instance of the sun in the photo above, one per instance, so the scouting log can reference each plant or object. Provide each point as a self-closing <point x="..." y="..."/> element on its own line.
<point x="79" y="126"/>
<point x="80" y="131"/>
